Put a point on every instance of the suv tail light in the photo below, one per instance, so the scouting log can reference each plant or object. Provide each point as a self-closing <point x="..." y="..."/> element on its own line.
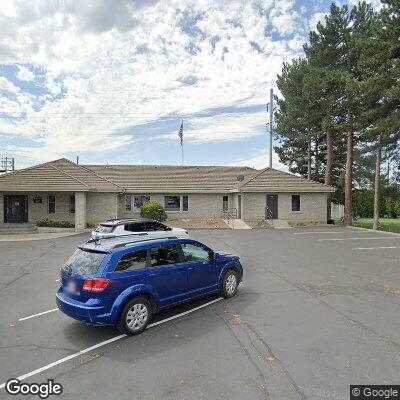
<point x="95" y="285"/>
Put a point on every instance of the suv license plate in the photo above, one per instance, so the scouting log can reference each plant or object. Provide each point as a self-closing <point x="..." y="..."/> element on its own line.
<point x="71" y="287"/>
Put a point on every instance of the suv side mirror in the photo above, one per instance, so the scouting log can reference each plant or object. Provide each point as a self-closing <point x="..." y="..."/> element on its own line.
<point x="213" y="255"/>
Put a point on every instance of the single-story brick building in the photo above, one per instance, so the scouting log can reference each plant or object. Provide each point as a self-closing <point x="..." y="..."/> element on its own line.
<point x="62" y="190"/>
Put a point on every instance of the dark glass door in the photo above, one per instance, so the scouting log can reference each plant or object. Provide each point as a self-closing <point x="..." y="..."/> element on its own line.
<point x="272" y="206"/>
<point x="15" y="209"/>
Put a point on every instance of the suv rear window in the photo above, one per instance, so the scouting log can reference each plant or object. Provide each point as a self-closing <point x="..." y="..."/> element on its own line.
<point x="105" y="228"/>
<point x="84" y="262"/>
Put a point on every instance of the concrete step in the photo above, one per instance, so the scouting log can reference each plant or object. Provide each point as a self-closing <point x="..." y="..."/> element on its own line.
<point x="238" y="224"/>
<point x="280" y="224"/>
<point x="10" y="229"/>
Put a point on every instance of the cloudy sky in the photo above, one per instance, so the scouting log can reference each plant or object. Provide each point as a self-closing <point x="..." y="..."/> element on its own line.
<point x="110" y="80"/>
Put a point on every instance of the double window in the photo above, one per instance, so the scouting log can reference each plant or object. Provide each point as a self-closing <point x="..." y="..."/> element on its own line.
<point x="174" y="203"/>
<point x="162" y="255"/>
<point x="295" y="202"/>
<point x="51" y="204"/>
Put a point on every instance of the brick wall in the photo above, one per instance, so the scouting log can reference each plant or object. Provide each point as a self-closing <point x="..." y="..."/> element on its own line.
<point x="312" y="206"/>
<point x="200" y="206"/>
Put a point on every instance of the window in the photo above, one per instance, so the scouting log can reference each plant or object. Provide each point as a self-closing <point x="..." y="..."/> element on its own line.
<point x="105" y="228"/>
<point x="185" y="203"/>
<point x="193" y="253"/>
<point x="52" y="204"/>
<point x="132" y="261"/>
<point x="172" y="203"/>
<point x="225" y="203"/>
<point x="155" y="226"/>
<point x="136" y="227"/>
<point x="72" y="204"/>
<point x="139" y="200"/>
<point x="84" y="262"/>
<point x="295" y="202"/>
<point x="164" y="255"/>
<point x="128" y="202"/>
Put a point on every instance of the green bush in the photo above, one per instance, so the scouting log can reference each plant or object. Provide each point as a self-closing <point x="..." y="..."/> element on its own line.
<point x="152" y="209"/>
<point x="48" y="223"/>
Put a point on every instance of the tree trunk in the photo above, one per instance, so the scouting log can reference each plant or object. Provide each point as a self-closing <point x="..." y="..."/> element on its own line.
<point x="316" y="158"/>
<point x="329" y="170"/>
<point x="377" y="194"/>
<point x="309" y="160"/>
<point x="348" y="182"/>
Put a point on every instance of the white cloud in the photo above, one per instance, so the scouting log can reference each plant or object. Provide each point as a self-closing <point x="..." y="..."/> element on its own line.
<point x="24" y="74"/>
<point x="109" y="66"/>
<point x="260" y="160"/>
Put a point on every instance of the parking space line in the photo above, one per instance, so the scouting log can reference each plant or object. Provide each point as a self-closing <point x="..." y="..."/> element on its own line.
<point x="361" y="238"/>
<point x="38" y="314"/>
<point x="329" y="232"/>
<point x="104" y="343"/>
<point x="376" y="248"/>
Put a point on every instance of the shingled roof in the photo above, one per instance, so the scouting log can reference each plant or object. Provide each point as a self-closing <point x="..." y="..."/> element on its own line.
<point x="178" y="179"/>
<point x="64" y="175"/>
<point x="58" y="175"/>
<point x="272" y="180"/>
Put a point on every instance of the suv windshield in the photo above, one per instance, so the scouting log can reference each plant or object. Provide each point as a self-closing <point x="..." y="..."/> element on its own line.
<point x="105" y="228"/>
<point x="84" y="262"/>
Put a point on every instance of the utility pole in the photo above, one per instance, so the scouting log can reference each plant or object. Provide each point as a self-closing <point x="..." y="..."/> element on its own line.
<point x="271" y="117"/>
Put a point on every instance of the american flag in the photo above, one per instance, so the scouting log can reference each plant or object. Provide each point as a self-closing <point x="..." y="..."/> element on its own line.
<point x="180" y="134"/>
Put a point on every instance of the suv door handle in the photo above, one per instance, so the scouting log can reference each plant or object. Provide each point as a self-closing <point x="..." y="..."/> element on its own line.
<point x="153" y="274"/>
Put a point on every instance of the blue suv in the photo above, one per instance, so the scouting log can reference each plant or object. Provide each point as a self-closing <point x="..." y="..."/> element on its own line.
<point x="123" y="281"/>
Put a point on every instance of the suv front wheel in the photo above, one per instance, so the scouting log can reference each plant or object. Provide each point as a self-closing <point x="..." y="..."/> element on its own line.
<point x="230" y="284"/>
<point x="135" y="316"/>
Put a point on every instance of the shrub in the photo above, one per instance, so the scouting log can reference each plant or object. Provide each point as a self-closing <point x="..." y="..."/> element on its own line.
<point x="48" y="223"/>
<point x="152" y="209"/>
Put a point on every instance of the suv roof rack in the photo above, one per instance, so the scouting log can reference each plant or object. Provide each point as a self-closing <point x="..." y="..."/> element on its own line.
<point x="116" y="237"/>
<point x="118" y="245"/>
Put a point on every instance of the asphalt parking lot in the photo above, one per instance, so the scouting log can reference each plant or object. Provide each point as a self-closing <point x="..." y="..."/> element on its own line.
<point x="318" y="310"/>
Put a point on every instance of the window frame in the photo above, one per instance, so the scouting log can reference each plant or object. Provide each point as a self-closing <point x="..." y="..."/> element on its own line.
<point x="225" y="202"/>
<point x="178" y="209"/>
<point x="51" y="202"/>
<point x="299" y="208"/>
<point x="199" y="246"/>
<point x="135" y="269"/>
<point x="178" y="249"/>
<point x="128" y="204"/>
<point x="139" y="196"/>
<point x="185" y="196"/>
<point x="72" y="204"/>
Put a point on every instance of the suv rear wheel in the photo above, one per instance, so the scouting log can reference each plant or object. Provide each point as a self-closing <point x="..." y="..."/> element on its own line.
<point x="230" y="284"/>
<point x="135" y="316"/>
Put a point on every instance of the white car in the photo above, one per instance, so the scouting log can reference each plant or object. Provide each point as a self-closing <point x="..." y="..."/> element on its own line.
<point x="123" y="227"/>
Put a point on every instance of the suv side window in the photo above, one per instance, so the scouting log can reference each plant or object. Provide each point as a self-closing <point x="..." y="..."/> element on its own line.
<point x="194" y="254"/>
<point x="132" y="261"/>
<point x="164" y="255"/>
<point x="135" y="227"/>
<point x="154" y="226"/>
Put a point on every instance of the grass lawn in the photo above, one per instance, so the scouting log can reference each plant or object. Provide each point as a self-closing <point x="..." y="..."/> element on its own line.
<point x="390" y="225"/>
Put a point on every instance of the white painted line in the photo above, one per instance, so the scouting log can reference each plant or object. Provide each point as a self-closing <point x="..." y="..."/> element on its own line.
<point x="38" y="314"/>
<point x="104" y="343"/>
<point x="376" y="248"/>
<point x="332" y="232"/>
<point x="361" y="238"/>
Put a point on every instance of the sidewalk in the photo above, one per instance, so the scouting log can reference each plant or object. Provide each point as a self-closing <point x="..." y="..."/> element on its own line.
<point x="35" y="236"/>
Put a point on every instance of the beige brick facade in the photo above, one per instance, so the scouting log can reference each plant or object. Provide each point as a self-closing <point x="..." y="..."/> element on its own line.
<point x="312" y="206"/>
<point x="207" y="205"/>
